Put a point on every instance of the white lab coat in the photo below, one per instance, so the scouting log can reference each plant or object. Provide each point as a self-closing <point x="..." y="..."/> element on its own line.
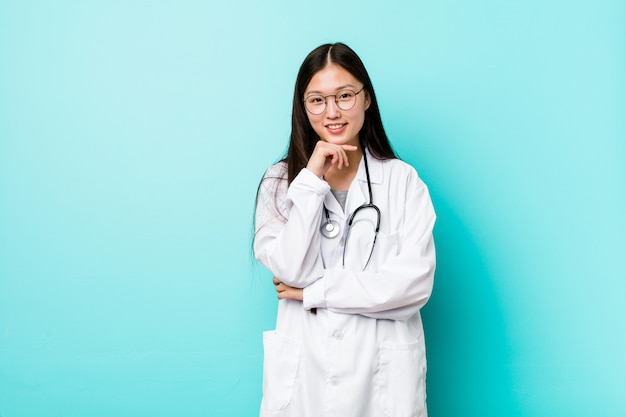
<point x="363" y="353"/>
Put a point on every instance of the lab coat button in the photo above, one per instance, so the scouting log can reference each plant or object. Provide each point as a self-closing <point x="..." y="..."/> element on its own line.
<point x="338" y="334"/>
<point x="334" y="381"/>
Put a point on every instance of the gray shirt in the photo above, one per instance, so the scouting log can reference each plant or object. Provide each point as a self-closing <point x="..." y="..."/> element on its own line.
<point x="341" y="196"/>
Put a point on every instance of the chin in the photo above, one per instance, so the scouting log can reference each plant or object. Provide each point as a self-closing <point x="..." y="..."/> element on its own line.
<point x="341" y="141"/>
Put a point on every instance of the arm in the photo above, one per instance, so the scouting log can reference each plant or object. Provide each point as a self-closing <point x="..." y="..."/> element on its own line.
<point x="289" y="246"/>
<point x="402" y="283"/>
<point x="287" y="239"/>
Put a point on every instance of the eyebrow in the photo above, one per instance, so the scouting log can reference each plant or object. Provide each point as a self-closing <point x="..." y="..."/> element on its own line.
<point x="343" y="87"/>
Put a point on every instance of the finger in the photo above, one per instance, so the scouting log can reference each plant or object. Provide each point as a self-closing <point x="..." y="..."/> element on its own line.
<point x="291" y="293"/>
<point x="327" y="154"/>
<point x="337" y="157"/>
<point x="344" y="159"/>
<point x="279" y="286"/>
<point x="276" y="281"/>
<point x="285" y="294"/>
<point x="344" y="152"/>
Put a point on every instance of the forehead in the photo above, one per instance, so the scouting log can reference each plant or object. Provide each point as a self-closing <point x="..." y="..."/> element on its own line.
<point x="330" y="79"/>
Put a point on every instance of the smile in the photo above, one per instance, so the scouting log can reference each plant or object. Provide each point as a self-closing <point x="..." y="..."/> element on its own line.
<point x="336" y="127"/>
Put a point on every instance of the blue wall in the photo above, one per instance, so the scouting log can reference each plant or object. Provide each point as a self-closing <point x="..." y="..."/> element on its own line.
<point x="132" y="138"/>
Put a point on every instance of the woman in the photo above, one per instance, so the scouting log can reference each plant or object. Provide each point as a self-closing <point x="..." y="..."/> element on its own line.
<point x="346" y="229"/>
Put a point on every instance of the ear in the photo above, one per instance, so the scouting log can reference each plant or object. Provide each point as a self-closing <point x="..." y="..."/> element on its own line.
<point x="368" y="100"/>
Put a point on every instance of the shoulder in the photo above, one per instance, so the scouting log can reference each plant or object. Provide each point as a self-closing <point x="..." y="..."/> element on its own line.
<point x="402" y="178"/>
<point x="274" y="180"/>
<point x="399" y="164"/>
<point x="398" y="170"/>
<point x="405" y="184"/>
<point x="277" y="171"/>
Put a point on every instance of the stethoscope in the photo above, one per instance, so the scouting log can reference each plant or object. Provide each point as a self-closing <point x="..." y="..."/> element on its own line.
<point x="331" y="229"/>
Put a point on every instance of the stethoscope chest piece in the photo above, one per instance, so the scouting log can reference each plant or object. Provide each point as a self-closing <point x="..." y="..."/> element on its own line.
<point x="330" y="229"/>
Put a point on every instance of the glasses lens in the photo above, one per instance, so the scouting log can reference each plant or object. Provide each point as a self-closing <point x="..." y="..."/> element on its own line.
<point x="346" y="99"/>
<point x="315" y="104"/>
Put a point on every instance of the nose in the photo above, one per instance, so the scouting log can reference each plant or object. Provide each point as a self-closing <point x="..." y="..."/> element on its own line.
<point x="332" y="110"/>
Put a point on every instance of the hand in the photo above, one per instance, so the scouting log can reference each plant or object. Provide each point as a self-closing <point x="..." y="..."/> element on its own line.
<point x="285" y="291"/>
<point x="327" y="154"/>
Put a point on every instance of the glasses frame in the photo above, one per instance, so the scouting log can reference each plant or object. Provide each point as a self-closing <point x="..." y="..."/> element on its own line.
<point x="336" y="101"/>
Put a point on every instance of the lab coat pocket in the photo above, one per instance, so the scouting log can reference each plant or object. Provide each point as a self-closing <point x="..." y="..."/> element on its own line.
<point x="402" y="380"/>
<point x="280" y="368"/>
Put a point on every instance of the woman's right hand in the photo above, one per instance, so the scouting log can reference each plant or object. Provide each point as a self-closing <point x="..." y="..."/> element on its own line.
<point x="326" y="155"/>
<point x="285" y="291"/>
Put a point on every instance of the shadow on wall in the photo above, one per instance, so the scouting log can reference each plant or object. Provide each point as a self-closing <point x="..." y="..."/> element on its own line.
<point x="468" y="351"/>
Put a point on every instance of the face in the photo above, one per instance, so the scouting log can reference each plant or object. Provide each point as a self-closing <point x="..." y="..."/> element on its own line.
<point x="335" y="125"/>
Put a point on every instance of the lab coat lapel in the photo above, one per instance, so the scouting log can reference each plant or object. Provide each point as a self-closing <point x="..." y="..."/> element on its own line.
<point x="358" y="193"/>
<point x="332" y="204"/>
<point x="358" y="190"/>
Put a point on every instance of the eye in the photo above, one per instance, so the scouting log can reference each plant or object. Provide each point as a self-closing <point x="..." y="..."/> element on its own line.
<point x="345" y="95"/>
<point x="315" y="100"/>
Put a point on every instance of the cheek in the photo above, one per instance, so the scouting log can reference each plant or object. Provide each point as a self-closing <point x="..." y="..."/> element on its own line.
<point x="314" y="118"/>
<point x="359" y="120"/>
<point x="314" y="121"/>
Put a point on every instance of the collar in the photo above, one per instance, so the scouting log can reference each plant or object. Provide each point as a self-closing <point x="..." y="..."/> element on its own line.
<point x="375" y="168"/>
<point x="358" y="193"/>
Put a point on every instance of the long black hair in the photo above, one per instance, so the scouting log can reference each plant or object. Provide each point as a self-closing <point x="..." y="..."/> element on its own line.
<point x="303" y="138"/>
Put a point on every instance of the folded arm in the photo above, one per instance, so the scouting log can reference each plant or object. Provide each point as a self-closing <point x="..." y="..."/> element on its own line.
<point x="287" y="240"/>
<point x="401" y="284"/>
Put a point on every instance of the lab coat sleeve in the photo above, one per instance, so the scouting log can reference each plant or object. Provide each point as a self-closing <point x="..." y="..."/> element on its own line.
<point x="286" y="238"/>
<point x="402" y="283"/>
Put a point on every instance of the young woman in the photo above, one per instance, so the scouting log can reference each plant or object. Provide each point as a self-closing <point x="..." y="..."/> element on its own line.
<point x="346" y="229"/>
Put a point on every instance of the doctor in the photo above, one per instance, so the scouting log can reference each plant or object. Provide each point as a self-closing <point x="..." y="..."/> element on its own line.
<point x="346" y="229"/>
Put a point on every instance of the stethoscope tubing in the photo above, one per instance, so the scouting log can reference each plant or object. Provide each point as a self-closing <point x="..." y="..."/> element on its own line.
<point x="330" y="229"/>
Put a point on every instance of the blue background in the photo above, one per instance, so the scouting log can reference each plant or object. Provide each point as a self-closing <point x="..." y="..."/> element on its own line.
<point x="133" y="135"/>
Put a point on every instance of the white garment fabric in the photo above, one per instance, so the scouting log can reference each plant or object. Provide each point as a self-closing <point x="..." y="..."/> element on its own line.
<point x="362" y="354"/>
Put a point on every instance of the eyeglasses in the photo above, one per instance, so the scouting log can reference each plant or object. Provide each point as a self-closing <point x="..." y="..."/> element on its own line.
<point x="345" y="99"/>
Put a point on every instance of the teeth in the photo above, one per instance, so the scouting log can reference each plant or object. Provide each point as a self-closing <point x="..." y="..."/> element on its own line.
<point x="335" y="126"/>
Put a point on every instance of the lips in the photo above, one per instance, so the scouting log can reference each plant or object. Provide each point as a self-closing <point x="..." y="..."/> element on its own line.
<point x="336" y="128"/>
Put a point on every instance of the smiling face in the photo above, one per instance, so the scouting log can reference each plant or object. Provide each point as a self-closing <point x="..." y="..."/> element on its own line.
<point x="335" y="125"/>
